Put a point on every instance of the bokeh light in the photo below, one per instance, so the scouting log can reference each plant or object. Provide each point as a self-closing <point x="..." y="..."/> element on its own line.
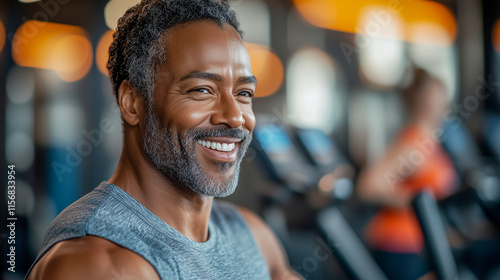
<point x="255" y="20"/>
<point x="115" y="9"/>
<point x="20" y="148"/>
<point x="72" y="57"/>
<point x="382" y="58"/>
<point x="496" y="36"/>
<point x="343" y="15"/>
<point x="438" y="61"/>
<point x="428" y="33"/>
<point x="267" y="68"/>
<point x="2" y="36"/>
<point x="62" y="48"/>
<point x="102" y="51"/>
<point x="20" y="85"/>
<point x="314" y="96"/>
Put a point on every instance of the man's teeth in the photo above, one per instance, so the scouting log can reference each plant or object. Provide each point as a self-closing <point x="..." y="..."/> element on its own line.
<point x="223" y="147"/>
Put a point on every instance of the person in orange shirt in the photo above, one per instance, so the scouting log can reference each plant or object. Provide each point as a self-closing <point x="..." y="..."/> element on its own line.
<point x="415" y="161"/>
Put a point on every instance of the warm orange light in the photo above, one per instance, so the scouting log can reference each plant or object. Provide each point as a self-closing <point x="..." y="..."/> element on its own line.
<point x="102" y="51"/>
<point x="433" y="17"/>
<point x="267" y="68"/>
<point x="495" y="37"/>
<point x="326" y="182"/>
<point x="345" y="16"/>
<point x="2" y="36"/>
<point x="62" y="48"/>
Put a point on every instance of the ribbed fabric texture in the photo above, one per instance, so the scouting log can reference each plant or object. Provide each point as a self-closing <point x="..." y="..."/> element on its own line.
<point x="109" y="212"/>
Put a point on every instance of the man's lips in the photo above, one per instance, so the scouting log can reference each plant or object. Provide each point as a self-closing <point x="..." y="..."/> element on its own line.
<point x="220" y="148"/>
<point x="223" y="139"/>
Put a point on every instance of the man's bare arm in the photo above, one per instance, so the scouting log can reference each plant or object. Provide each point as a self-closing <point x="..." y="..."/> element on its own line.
<point x="270" y="247"/>
<point x="91" y="257"/>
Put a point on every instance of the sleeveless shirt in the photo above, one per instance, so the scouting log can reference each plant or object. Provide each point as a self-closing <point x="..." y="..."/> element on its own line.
<point x="111" y="213"/>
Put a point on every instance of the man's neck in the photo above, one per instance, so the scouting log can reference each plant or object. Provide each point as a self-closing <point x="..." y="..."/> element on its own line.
<point x="180" y="207"/>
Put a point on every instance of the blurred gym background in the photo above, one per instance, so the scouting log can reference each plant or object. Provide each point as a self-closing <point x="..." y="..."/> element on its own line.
<point x="328" y="104"/>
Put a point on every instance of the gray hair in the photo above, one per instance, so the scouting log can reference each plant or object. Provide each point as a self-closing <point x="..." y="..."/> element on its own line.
<point x="137" y="48"/>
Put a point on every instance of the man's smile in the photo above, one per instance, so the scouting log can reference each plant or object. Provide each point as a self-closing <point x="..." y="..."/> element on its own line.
<point x="223" y="147"/>
<point x="220" y="148"/>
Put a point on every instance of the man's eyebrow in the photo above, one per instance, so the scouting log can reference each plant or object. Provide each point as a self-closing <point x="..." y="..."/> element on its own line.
<point x="247" y="80"/>
<point x="202" y="75"/>
<point x="217" y="78"/>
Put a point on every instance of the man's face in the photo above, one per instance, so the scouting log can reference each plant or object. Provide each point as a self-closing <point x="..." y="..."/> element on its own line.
<point x="199" y="124"/>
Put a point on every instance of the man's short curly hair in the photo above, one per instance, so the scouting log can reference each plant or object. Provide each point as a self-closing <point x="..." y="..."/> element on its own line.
<point x="137" y="48"/>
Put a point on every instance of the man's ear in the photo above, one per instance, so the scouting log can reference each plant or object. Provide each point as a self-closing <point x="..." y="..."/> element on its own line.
<point x="131" y="103"/>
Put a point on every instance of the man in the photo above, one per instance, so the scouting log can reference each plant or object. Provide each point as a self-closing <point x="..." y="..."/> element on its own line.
<point x="184" y="85"/>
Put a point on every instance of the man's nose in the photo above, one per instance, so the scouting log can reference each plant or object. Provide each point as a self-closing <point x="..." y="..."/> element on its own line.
<point x="228" y="112"/>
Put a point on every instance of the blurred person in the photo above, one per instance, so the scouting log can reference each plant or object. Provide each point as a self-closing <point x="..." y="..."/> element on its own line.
<point x="413" y="162"/>
<point x="184" y="85"/>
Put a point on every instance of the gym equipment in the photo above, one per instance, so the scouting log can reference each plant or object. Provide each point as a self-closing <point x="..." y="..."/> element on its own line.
<point x="348" y="249"/>
<point x="322" y="153"/>
<point x="300" y="174"/>
<point x="282" y="161"/>
<point x="440" y="253"/>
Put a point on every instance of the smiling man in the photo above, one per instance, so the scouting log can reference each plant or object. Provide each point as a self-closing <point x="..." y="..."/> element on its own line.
<point x="184" y="85"/>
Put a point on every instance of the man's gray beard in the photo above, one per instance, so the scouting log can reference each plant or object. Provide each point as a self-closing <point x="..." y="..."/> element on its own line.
<point x="175" y="156"/>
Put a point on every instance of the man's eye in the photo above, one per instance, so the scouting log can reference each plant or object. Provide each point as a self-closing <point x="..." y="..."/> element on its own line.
<point x="246" y="93"/>
<point x="200" y="90"/>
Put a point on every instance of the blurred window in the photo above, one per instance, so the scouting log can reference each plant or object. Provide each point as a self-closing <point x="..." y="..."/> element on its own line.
<point x="255" y="20"/>
<point x="314" y="93"/>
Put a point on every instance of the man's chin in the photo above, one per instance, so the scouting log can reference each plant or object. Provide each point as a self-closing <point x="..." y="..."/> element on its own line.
<point x="225" y="169"/>
<point x="222" y="189"/>
<point x="218" y="184"/>
<point x="217" y="169"/>
<point x="222" y="178"/>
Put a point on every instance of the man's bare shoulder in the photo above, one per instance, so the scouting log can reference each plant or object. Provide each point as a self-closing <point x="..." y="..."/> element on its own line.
<point x="91" y="257"/>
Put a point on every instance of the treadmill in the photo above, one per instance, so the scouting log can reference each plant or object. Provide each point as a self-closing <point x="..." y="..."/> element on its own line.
<point x="299" y="173"/>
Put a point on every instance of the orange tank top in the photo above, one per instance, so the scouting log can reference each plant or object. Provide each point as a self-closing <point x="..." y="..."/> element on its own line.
<point x="397" y="229"/>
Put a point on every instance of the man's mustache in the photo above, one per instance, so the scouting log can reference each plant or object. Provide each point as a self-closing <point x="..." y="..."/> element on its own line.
<point x="202" y="133"/>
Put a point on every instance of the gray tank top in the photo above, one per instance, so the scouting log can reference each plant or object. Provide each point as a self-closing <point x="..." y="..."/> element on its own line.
<point x="109" y="212"/>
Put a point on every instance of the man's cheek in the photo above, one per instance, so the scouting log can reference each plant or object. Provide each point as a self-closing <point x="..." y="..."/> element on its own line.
<point x="249" y="119"/>
<point x="190" y="115"/>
